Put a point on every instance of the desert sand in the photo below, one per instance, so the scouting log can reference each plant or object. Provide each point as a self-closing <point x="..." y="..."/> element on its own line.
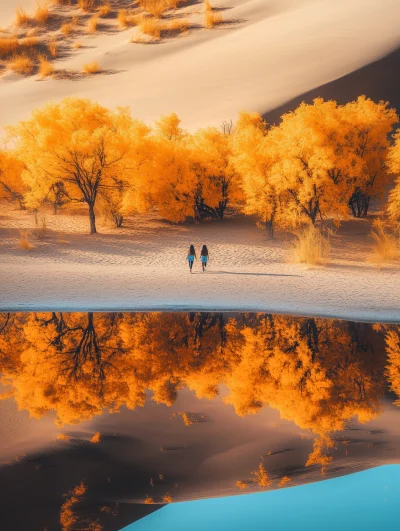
<point x="266" y="53"/>
<point x="143" y="267"/>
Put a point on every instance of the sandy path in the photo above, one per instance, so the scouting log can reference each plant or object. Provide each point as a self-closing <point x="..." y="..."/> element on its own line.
<point x="143" y="267"/>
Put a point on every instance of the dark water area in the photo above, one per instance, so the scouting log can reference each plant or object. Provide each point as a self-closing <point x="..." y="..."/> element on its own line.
<point x="107" y="417"/>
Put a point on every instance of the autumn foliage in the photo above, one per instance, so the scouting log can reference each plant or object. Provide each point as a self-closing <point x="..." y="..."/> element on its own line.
<point x="322" y="162"/>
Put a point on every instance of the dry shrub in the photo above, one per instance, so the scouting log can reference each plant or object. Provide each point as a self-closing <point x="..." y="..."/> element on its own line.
<point x="155" y="7"/>
<point x="92" y="24"/>
<point x="207" y="5"/>
<point x="45" y="67"/>
<point x="21" y="17"/>
<point x="52" y="46"/>
<point x="138" y="39"/>
<point x="92" y="68"/>
<point x="387" y="242"/>
<point x="77" y="45"/>
<point x="151" y="26"/>
<point x="96" y="438"/>
<point x="149" y="501"/>
<point x="8" y="46"/>
<point x="42" y="13"/>
<point x="126" y="20"/>
<point x="21" y="64"/>
<point x="311" y="247"/>
<point x="67" y="28"/>
<point x="29" y="42"/>
<point x="167" y="498"/>
<point x="24" y="242"/>
<point x="212" y="19"/>
<point x="179" y="25"/>
<point x="104" y="10"/>
<point x="86" y="5"/>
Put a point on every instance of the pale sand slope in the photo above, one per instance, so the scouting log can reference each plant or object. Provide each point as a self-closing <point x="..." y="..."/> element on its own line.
<point x="274" y="51"/>
<point x="143" y="267"/>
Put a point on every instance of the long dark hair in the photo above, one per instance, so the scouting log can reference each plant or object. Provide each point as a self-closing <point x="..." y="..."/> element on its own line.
<point x="192" y="250"/>
<point x="204" y="251"/>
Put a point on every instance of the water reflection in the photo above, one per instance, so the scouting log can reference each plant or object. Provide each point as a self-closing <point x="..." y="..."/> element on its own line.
<point x="326" y="378"/>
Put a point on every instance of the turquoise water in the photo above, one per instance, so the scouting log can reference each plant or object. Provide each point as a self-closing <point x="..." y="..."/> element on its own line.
<point x="365" y="501"/>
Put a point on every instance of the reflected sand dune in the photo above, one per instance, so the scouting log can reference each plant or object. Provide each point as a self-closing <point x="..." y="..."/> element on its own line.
<point x="160" y="407"/>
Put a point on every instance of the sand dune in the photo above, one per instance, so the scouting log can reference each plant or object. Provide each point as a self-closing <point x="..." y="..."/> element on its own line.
<point x="269" y="53"/>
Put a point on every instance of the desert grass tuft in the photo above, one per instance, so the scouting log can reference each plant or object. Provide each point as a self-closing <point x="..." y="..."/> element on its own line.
<point x="42" y="13"/>
<point x="386" y="246"/>
<point x="86" y="5"/>
<point x="92" y="68"/>
<point x="52" y="46"/>
<point x="24" y="242"/>
<point x="63" y="437"/>
<point x="128" y="20"/>
<point x="151" y="26"/>
<point x="45" y="67"/>
<point x="92" y="24"/>
<point x="21" y="64"/>
<point x="207" y="5"/>
<point x="21" y="17"/>
<point x="154" y="7"/>
<point x="77" y="45"/>
<point x="311" y="247"/>
<point x="8" y="46"/>
<point x="29" y="42"/>
<point x="104" y="10"/>
<point x="212" y="19"/>
<point x="68" y="27"/>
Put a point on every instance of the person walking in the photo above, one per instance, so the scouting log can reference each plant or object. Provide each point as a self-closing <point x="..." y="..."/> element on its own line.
<point x="191" y="257"/>
<point x="204" y="257"/>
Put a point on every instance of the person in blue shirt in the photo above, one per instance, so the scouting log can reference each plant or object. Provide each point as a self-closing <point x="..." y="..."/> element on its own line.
<point x="204" y="257"/>
<point x="191" y="257"/>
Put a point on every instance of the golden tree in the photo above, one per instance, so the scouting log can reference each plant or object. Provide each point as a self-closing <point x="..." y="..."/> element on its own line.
<point x="253" y="160"/>
<point x="217" y="182"/>
<point x="393" y="164"/>
<point x="78" y="143"/>
<point x="363" y="148"/>
<point x="11" y="184"/>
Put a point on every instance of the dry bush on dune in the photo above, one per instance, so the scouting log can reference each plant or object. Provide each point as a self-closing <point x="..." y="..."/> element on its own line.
<point x="29" y="42"/>
<point x="63" y="437"/>
<point x="151" y="26"/>
<point x="45" y="67"/>
<point x="8" y="46"/>
<point x="212" y="19"/>
<point x="42" y="13"/>
<point x="155" y="7"/>
<point x="104" y="10"/>
<point x="92" y="24"/>
<point x="127" y="20"/>
<point x="52" y="46"/>
<point x="77" y="45"/>
<point x="21" y="64"/>
<point x="178" y="25"/>
<point x="86" y="5"/>
<point x="24" y="242"/>
<point x="92" y="68"/>
<point x="68" y="27"/>
<point x="207" y="6"/>
<point x="21" y="17"/>
<point x="311" y="247"/>
<point x="387" y="242"/>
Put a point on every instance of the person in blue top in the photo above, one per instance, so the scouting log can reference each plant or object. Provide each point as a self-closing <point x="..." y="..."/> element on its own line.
<point x="191" y="257"/>
<point x="204" y="257"/>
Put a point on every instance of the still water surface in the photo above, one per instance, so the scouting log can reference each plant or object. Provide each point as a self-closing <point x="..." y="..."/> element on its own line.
<point x="106" y="417"/>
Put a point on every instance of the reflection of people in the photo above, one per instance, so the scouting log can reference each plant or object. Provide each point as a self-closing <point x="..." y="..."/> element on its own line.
<point x="191" y="256"/>
<point x="204" y="257"/>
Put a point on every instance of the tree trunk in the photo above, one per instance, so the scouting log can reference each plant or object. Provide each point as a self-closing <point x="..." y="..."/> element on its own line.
<point x="269" y="228"/>
<point x="92" y="218"/>
<point x="359" y="204"/>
